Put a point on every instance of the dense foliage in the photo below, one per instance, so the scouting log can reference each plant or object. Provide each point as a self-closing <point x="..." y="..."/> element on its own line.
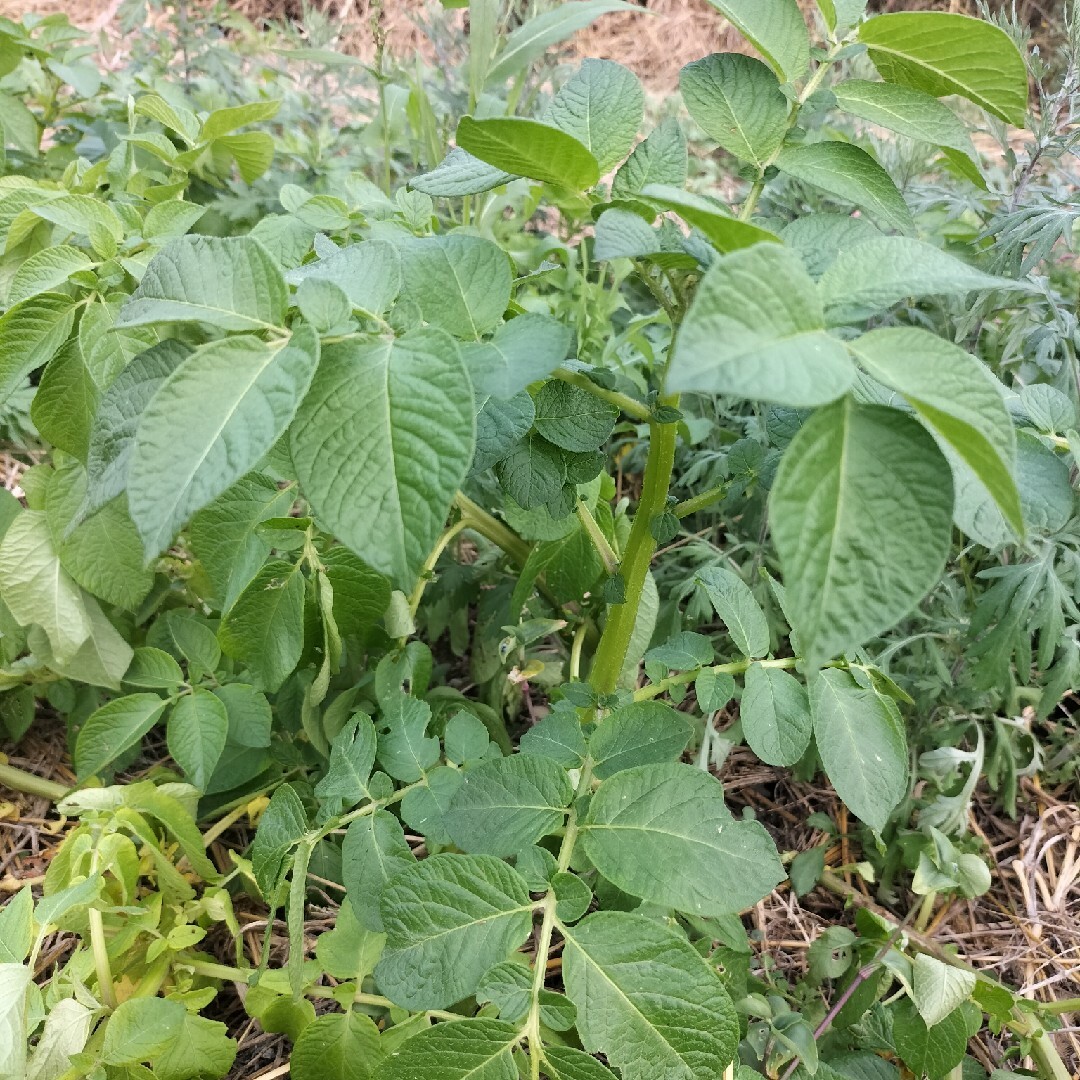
<point x="431" y="466"/>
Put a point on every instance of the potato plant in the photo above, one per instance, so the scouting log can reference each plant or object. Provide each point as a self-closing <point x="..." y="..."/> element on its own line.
<point x="286" y="460"/>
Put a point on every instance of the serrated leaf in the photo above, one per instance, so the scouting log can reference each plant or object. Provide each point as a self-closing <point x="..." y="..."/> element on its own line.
<point x="646" y="1000"/>
<point x="382" y="443"/>
<point x="733" y="601"/>
<point x="196" y="732"/>
<point x="530" y="148"/>
<point x="264" y="629"/>
<point x="209" y="423"/>
<point x="644" y="822"/>
<point x="775" y="715"/>
<point x="448" y="920"/>
<point x="115" y="728"/>
<point x="504" y="805"/>
<point x="601" y="106"/>
<point x="374" y="850"/>
<point x="861" y="512"/>
<point x="112" y="435"/>
<point x="860" y="737"/>
<point x="943" y="53"/>
<point x="737" y="101"/>
<point x="641" y="733"/>
<point x="764" y="307"/>
<point x="231" y="283"/>
<point x="959" y="400"/>
<point x="522" y="351"/>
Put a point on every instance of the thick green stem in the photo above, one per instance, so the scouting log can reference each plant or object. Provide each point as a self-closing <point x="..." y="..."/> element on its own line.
<point x="29" y="784"/>
<point x="700" y="502"/>
<point x="490" y="528"/>
<point x="599" y="540"/>
<point x="615" y="641"/>
<point x="736" y="667"/>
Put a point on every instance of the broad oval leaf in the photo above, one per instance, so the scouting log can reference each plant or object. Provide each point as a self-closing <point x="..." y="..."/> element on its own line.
<point x="209" y="423"/>
<point x="337" y="1046"/>
<point x="530" y="148"/>
<point x="374" y="850"/>
<point x="114" y="728"/>
<point x="646" y="1000"/>
<point x="959" y="400"/>
<point x="660" y="159"/>
<point x="860" y="737"/>
<point x="737" y="101"/>
<point x="776" y="29"/>
<point x="756" y="329"/>
<point x="476" y="1049"/>
<point x="943" y="53"/>
<point x="861" y="514"/>
<point x="505" y="805"/>
<point x="733" y="601"/>
<point x="601" y="106"/>
<point x="448" y="920"/>
<point x="641" y="733"/>
<point x="228" y="282"/>
<point x="31" y="332"/>
<point x="664" y="833"/>
<point x="775" y="715"/>
<point x="282" y="824"/>
<point x="459" y="173"/>
<point x="45" y="270"/>
<point x="368" y="273"/>
<point x="197" y="729"/>
<point x="851" y="174"/>
<point x="141" y="1029"/>
<point x="522" y="351"/>
<point x="382" y="443"/>
<point x="724" y="231"/>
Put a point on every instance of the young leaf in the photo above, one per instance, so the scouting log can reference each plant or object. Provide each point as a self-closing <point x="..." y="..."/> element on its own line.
<point x="505" y="805"/>
<point x="338" y="1046"/>
<point x="646" y="821"/>
<point x="264" y="630"/>
<point x="660" y="159"/>
<point x="776" y="30"/>
<point x="476" y="1049"/>
<point x="141" y="1029"/>
<point x="374" y="850"/>
<point x="115" y="727"/>
<point x="112" y="435"/>
<point x="941" y="53"/>
<point x="209" y="423"/>
<point x="646" y="1000"/>
<point x="448" y="920"/>
<point x="860" y="737"/>
<point x="775" y="715"/>
<point x="764" y="307"/>
<point x="381" y="444"/>
<point x="737" y="101"/>
<point x="282" y="824"/>
<point x="196" y="732"/>
<point x="733" y="601"/>
<point x="529" y="148"/>
<point x="641" y="733"/>
<point x="601" y="106"/>
<point x="849" y="173"/>
<point x="231" y="283"/>
<point x="522" y="351"/>
<point x="460" y="283"/>
<point x="871" y="276"/>
<point x="861" y="513"/>
<point x="957" y="397"/>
